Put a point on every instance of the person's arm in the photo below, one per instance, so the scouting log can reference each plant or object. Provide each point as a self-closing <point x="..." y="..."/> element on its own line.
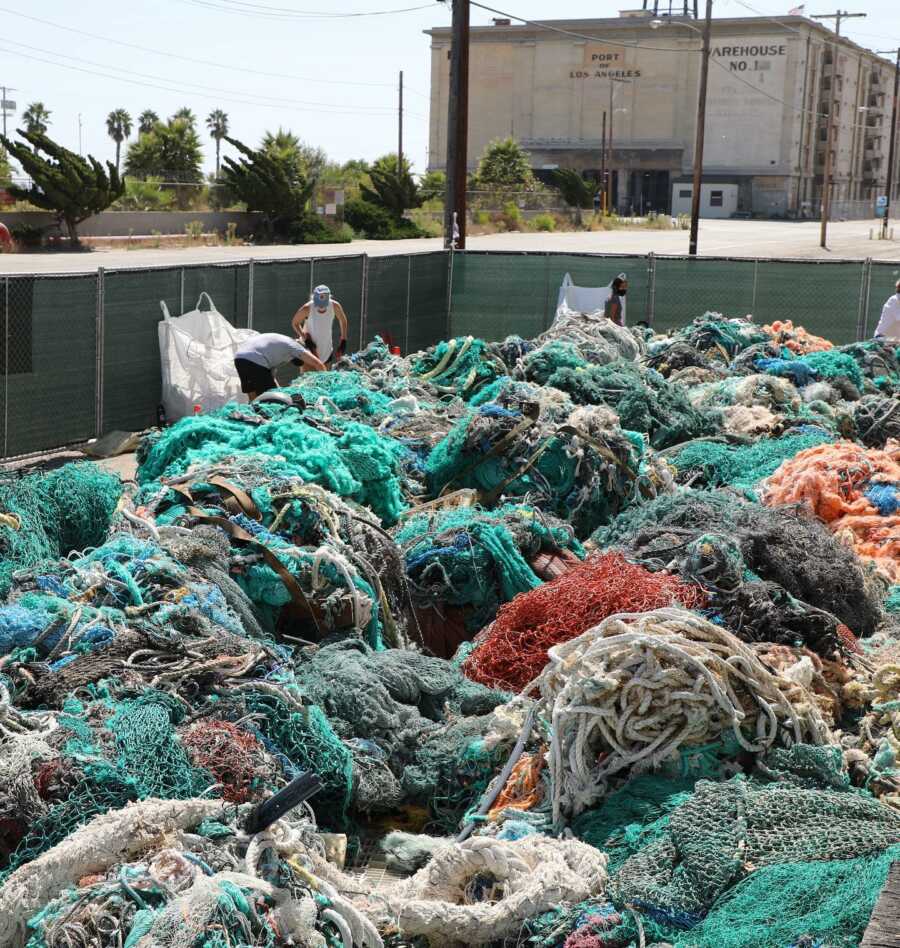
<point x="299" y="320"/>
<point x="313" y="362"/>
<point x="342" y="322"/>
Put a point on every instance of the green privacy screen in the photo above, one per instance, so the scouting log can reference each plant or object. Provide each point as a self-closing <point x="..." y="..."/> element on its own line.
<point x="49" y="361"/>
<point x="75" y="348"/>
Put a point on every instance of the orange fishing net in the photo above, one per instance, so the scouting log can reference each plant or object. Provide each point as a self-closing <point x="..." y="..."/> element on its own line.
<point x="832" y="479"/>
<point x="796" y="338"/>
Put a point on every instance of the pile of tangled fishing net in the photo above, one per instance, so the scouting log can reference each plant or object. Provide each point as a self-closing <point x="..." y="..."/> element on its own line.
<point x="512" y="650"/>
<point x="771" y="574"/>
<point x="574" y="463"/>
<point x="471" y="561"/>
<point x="47" y="515"/>
<point x="855" y="490"/>
<point x="346" y="457"/>
<point x="346" y="585"/>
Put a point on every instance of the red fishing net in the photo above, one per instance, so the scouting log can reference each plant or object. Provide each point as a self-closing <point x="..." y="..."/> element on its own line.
<point x="235" y="758"/>
<point x="513" y="650"/>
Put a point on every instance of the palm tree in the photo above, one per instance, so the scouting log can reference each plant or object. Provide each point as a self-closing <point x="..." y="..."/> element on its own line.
<point x="118" y="127"/>
<point x="217" y="123"/>
<point x="187" y="114"/>
<point x="147" y="121"/>
<point x="36" y="118"/>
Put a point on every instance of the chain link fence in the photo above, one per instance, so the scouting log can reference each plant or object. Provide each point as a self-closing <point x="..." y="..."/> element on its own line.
<point x="79" y="353"/>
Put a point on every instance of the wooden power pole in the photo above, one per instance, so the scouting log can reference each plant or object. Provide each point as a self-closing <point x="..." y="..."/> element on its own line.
<point x="701" y="134"/>
<point x="829" y="136"/>
<point x="457" y="129"/>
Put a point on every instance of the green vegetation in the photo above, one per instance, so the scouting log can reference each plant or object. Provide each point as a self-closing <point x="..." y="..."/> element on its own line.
<point x="217" y="123"/>
<point x="503" y="166"/>
<point x="147" y="195"/>
<point x="271" y="183"/>
<point x="36" y="118"/>
<point x="71" y="186"/>
<point x="170" y="151"/>
<point x="147" y="120"/>
<point x="118" y="127"/>
<point x="544" y="222"/>
<point x="575" y="191"/>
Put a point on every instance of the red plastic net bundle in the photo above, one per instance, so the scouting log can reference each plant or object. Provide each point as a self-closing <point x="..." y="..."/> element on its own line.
<point x="514" y="648"/>
<point x="235" y="758"/>
<point x="796" y="338"/>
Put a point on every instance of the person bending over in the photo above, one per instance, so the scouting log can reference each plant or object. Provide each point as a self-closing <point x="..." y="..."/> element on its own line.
<point x="259" y="356"/>
<point x="313" y="324"/>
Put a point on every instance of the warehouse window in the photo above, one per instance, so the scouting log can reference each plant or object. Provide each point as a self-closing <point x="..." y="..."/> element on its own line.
<point x="685" y="193"/>
<point x="716" y="198"/>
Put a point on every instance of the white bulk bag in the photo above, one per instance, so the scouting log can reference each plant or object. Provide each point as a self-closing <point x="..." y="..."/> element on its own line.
<point x="196" y="352"/>
<point x="587" y="300"/>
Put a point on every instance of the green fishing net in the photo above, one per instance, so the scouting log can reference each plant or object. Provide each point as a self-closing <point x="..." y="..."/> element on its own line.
<point x="351" y="459"/>
<point x="44" y="516"/>
<point x="717" y="464"/>
<point x="460" y="366"/>
<point x="642" y="398"/>
<point x="892" y="602"/>
<point x="476" y="558"/>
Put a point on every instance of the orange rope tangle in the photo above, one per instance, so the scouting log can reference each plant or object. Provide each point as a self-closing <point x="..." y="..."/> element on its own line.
<point x="831" y="479"/>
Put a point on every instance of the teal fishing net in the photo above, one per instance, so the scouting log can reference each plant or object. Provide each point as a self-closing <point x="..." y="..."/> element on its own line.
<point x="718" y="464"/>
<point x="460" y="366"/>
<point x="44" y="516"/>
<point x="476" y="558"/>
<point x="643" y="400"/>
<point x="351" y="460"/>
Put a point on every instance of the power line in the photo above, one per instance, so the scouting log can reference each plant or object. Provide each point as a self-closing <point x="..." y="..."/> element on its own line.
<point x="251" y="98"/>
<point x="594" y="39"/>
<point x="176" y="89"/>
<point x="230" y="67"/>
<point x="284" y="13"/>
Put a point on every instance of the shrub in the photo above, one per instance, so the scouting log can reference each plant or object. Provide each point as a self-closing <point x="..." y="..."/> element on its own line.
<point x="544" y="222"/>
<point x="311" y="229"/>
<point x="367" y="219"/>
<point x="482" y="218"/>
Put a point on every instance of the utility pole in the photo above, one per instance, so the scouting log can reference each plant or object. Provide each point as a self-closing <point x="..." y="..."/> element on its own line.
<point x="400" y="130"/>
<point x="457" y="129"/>
<point x="603" y="164"/>
<point x="4" y="103"/>
<point x="609" y="147"/>
<point x="891" y="148"/>
<point x="701" y="133"/>
<point x="829" y="137"/>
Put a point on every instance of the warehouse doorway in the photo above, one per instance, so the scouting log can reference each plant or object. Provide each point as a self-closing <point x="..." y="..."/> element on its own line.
<point x="649" y="191"/>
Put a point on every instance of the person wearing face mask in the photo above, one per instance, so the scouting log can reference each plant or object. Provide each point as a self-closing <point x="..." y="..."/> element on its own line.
<point x="313" y="324"/>
<point x="615" y="304"/>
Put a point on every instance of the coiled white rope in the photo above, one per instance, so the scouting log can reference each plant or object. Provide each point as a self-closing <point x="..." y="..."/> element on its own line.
<point x="635" y="690"/>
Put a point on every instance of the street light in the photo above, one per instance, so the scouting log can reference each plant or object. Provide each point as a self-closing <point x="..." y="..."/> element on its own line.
<point x="701" y="119"/>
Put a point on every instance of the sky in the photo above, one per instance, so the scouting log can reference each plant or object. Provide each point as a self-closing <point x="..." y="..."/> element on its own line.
<point x="330" y="79"/>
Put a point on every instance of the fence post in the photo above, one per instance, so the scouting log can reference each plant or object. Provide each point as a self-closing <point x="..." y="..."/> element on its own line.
<point x="363" y="300"/>
<point x="99" y="322"/>
<point x="181" y="297"/>
<point x="755" y="285"/>
<point x="250" y="276"/>
<point x="863" y="300"/>
<point x="449" y="327"/>
<point x="312" y="275"/>
<point x="651" y="288"/>
<point x="408" y="298"/>
<point x="867" y="298"/>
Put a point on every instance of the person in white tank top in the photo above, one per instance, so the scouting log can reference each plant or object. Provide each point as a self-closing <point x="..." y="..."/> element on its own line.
<point x="313" y="324"/>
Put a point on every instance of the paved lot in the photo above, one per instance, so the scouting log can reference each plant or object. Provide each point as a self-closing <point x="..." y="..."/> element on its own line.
<point x="848" y="240"/>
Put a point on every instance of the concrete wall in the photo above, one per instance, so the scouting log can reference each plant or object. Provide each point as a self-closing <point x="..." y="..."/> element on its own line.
<point x="139" y="223"/>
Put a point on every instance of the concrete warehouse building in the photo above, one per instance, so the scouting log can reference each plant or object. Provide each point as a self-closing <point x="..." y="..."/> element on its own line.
<point x="770" y="86"/>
